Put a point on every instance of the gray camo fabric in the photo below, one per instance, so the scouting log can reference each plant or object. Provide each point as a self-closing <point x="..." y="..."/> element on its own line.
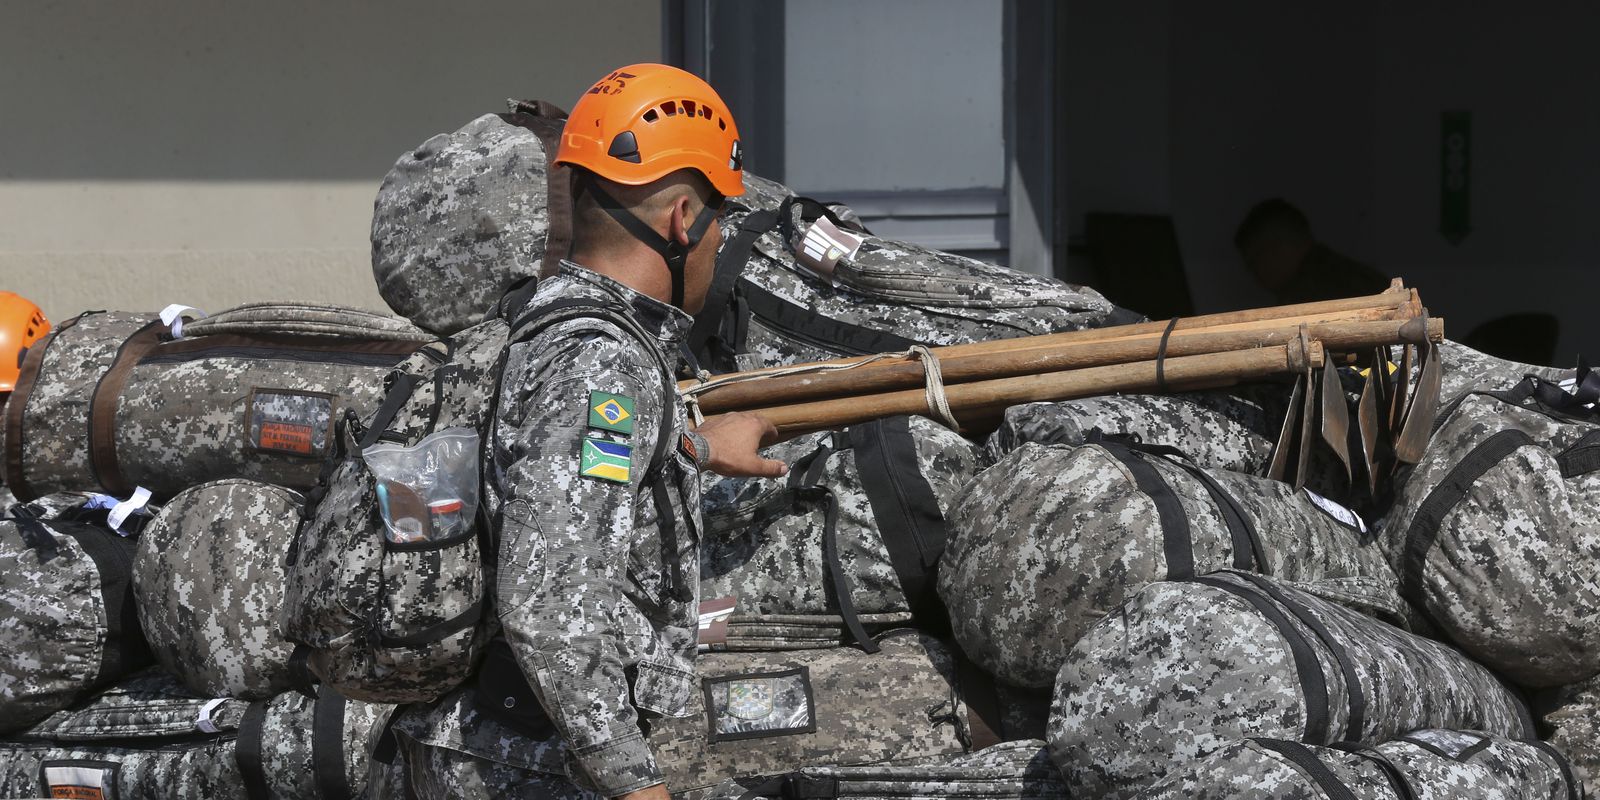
<point x="342" y="581"/>
<point x="209" y="579"/>
<point x="763" y="540"/>
<point x="1430" y="764"/>
<point x="1050" y="540"/>
<point x="186" y="415"/>
<point x="900" y="703"/>
<point x="1511" y="570"/>
<point x="1019" y="770"/>
<point x="893" y="287"/>
<point x="1468" y="370"/>
<point x="55" y="623"/>
<point x="458" y="219"/>
<point x="1575" y="722"/>
<point x="147" y="730"/>
<point x="1185" y="667"/>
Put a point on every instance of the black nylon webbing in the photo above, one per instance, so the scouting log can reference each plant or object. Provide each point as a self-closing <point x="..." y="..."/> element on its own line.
<point x="34" y="534"/>
<point x="1356" y="694"/>
<point x="1424" y="530"/>
<point x="1176" y="542"/>
<point x="907" y="512"/>
<point x="327" y="745"/>
<point x="247" y="751"/>
<point x="1302" y="757"/>
<point x="852" y="339"/>
<point x="1391" y="773"/>
<point x="1161" y="356"/>
<point x="1582" y="458"/>
<point x="1313" y="684"/>
<point x="730" y="265"/>
<point x="805" y="480"/>
<point x="1248" y="551"/>
<point x="1573" y="792"/>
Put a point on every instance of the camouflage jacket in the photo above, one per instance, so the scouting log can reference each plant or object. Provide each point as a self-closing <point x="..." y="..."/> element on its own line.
<point x="597" y="583"/>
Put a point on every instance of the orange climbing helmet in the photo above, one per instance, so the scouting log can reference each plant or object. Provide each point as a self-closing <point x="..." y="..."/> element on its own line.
<point x="644" y="121"/>
<point x="21" y="324"/>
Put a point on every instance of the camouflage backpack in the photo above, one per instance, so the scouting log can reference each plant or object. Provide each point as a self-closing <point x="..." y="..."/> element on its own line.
<point x="110" y="401"/>
<point x="67" y="615"/>
<point x="1496" y="533"/>
<point x="1019" y="770"/>
<point x="766" y="714"/>
<point x="767" y="307"/>
<point x="1210" y="660"/>
<point x="846" y="545"/>
<point x="148" y="738"/>
<point x="1047" y="541"/>
<point x="406" y="621"/>
<point x="209" y="580"/>
<point x="1572" y="716"/>
<point x="1422" y="764"/>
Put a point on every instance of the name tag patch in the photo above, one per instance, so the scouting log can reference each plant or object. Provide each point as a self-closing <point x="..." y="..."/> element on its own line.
<point x="289" y="422"/>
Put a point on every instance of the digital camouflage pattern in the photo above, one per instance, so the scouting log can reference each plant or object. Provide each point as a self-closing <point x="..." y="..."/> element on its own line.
<point x="637" y="608"/>
<point x="53" y="448"/>
<point x="765" y="539"/>
<point x="1052" y="538"/>
<point x="209" y="579"/>
<point x="1185" y="667"/>
<point x="153" y="738"/>
<point x="309" y="319"/>
<point x="1217" y="429"/>
<point x="1019" y="770"/>
<point x="1575" y="722"/>
<point x="66" y="616"/>
<point x="893" y="288"/>
<point x="259" y="405"/>
<point x="450" y="748"/>
<point x="900" y="703"/>
<point x="460" y="218"/>
<point x="1423" y="765"/>
<point x="1467" y="370"/>
<point x="346" y="592"/>
<point x="765" y="632"/>
<point x="1496" y="534"/>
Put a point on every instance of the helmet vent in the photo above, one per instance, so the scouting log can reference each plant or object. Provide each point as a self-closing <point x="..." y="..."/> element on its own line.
<point x="670" y="107"/>
<point x="722" y="124"/>
<point x="652" y="115"/>
<point x="688" y="107"/>
<point x="624" y="147"/>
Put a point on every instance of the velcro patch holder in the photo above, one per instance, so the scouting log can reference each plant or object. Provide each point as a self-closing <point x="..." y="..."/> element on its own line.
<point x="79" y="779"/>
<point x="280" y="435"/>
<point x="800" y="675"/>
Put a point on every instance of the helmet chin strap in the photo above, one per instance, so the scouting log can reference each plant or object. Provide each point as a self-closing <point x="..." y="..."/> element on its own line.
<point x="675" y="254"/>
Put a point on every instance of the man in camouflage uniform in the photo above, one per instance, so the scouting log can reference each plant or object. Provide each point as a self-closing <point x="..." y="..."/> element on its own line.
<point x="595" y="471"/>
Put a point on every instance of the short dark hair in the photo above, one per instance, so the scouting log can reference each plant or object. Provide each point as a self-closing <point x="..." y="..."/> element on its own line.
<point x="1268" y="214"/>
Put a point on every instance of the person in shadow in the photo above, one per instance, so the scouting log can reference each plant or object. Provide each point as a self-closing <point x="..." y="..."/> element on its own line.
<point x="1277" y="246"/>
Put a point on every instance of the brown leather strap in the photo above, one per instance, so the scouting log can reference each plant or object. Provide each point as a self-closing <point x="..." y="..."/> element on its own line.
<point x="982" y="701"/>
<point x="14" y="475"/>
<point x="103" y="408"/>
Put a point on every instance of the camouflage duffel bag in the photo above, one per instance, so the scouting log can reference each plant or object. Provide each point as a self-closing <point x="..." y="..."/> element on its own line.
<point x="1052" y="538"/>
<point x="767" y="714"/>
<point x="1468" y="370"/>
<point x="150" y="739"/>
<point x="789" y="289"/>
<point x="1185" y="667"/>
<point x="66" y="614"/>
<point x="1496" y="533"/>
<point x="1422" y="765"/>
<point x="1574" y="722"/>
<point x="1008" y="771"/>
<point x="110" y="401"/>
<point x="1232" y="430"/>
<point x="849" y="541"/>
<point x="209" y="580"/>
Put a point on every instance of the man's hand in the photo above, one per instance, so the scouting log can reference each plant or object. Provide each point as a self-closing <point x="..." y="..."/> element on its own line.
<point x="736" y="439"/>
<point x="656" y="792"/>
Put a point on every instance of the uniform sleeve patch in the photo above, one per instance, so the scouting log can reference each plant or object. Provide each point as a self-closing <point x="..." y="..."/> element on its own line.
<point x="611" y="412"/>
<point x="608" y="461"/>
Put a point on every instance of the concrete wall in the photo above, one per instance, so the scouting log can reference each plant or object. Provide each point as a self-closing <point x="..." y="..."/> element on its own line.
<point x="213" y="153"/>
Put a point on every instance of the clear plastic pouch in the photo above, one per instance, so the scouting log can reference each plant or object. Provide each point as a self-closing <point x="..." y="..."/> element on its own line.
<point x="427" y="492"/>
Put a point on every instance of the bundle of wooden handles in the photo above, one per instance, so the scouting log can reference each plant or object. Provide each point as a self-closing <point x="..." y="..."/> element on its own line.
<point x="979" y="381"/>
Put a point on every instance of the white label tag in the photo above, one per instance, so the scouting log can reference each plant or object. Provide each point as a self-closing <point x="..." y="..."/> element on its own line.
<point x="88" y="780"/>
<point x="204" y="722"/>
<point x="1337" y="511"/>
<point x="172" y="316"/>
<point x="121" y="511"/>
<point x="825" y="245"/>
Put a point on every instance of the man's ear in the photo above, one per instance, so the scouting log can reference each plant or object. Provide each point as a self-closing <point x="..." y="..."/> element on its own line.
<point x="678" y="225"/>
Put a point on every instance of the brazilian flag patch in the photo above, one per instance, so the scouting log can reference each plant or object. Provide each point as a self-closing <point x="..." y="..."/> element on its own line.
<point x="606" y="460"/>
<point x="611" y="412"/>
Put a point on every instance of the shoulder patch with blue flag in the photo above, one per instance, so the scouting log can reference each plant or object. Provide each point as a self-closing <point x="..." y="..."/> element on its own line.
<point x="606" y="460"/>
